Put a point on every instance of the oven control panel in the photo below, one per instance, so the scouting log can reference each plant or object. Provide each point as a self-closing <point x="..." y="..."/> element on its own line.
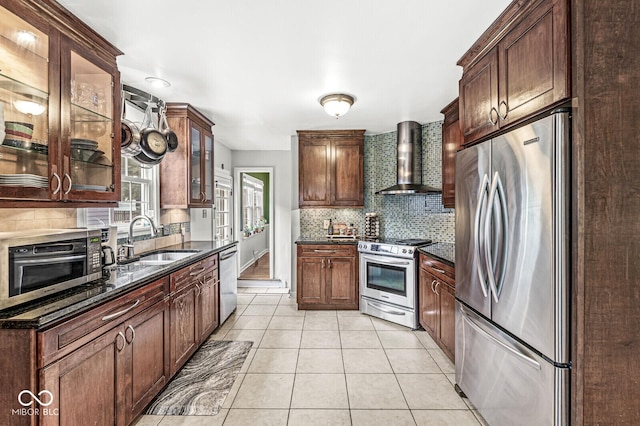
<point x="388" y="249"/>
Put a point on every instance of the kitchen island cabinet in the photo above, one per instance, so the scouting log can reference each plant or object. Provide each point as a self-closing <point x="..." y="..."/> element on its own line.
<point x="515" y="71"/>
<point x="327" y="276"/>
<point x="331" y="168"/>
<point x="60" y="96"/>
<point x="437" y="302"/>
<point x="186" y="176"/>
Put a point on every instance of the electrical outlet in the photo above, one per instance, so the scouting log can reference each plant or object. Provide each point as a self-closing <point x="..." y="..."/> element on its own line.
<point x="325" y="224"/>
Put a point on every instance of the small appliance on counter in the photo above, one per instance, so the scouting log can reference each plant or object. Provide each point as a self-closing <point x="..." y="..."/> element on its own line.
<point x="41" y="262"/>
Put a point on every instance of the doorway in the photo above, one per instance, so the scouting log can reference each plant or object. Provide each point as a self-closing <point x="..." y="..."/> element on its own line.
<point x="254" y="225"/>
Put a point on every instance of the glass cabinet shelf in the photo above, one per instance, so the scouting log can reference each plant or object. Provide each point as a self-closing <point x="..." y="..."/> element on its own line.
<point x="21" y="89"/>
<point x="82" y="114"/>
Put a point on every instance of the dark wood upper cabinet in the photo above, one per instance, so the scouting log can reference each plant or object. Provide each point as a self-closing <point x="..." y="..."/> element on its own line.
<point x="518" y="67"/>
<point x="186" y="175"/>
<point x="451" y="143"/>
<point x="68" y="73"/>
<point x="331" y="168"/>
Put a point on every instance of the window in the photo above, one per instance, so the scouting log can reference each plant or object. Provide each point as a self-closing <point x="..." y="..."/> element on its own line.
<point x="252" y="204"/>
<point x="223" y="198"/>
<point x="140" y="195"/>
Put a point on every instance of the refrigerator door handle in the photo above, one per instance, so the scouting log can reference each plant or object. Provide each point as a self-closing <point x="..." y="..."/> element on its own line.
<point x="528" y="360"/>
<point x="505" y="234"/>
<point x="482" y="192"/>
<point x="487" y="244"/>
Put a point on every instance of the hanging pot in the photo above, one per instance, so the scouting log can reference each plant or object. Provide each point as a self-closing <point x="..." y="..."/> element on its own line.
<point x="152" y="141"/>
<point x="130" y="143"/>
<point x="170" y="135"/>
<point x="146" y="161"/>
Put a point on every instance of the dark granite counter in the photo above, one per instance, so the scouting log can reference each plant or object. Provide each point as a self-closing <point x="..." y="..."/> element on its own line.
<point x="445" y="252"/>
<point x="122" y="279"/>
<point x="308" y="240"/>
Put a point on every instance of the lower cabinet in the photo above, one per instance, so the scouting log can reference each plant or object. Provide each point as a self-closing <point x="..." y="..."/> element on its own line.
<point x="112" y="378"/>
<point x="194" y="308"/>
<point x="105" y="365"/>
<point x="327" y="277"/>
<point x="437" y="303"/>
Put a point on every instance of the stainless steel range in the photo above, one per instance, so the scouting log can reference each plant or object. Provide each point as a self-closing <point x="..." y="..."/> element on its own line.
<point x="388" y="279"/>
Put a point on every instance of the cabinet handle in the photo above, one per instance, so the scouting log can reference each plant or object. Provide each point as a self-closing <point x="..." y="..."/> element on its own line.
<point x="133" y="333"/>
<point x="122" y="312"/>
<point x="197" y="272"/>
<point x="66" y="176"/>
<point x="442" y="271"/>
<point x="436" y="289"/>
<point x="199" y="290"/>
<point x="329" y="263"/>
<point x="55" y="191"/>
<point x="324" y="251"/>
<point x="506" y="107"/>
<point x="491" y="111"/>
<point x="120" y="348"/>
<point x="322" y="263"/>
<point x="432" y="284"/>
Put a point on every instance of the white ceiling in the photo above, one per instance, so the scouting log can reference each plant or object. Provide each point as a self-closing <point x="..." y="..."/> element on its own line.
<point x="257" y="68"/>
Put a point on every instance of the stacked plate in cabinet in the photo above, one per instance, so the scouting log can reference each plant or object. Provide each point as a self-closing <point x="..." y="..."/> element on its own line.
<point x="24" y="180"/>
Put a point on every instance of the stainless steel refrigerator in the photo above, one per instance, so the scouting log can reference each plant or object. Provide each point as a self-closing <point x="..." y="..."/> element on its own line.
<point x="512" y="282"/>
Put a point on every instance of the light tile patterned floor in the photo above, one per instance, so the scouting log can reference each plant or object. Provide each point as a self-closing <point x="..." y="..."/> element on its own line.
<point x="331" y="368"/>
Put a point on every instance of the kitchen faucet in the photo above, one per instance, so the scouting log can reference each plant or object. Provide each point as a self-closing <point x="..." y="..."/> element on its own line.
<point x="129" y="245"/>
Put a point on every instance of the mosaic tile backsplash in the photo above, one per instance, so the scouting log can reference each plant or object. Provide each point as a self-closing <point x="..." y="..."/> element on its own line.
<point x="401" y="216"/>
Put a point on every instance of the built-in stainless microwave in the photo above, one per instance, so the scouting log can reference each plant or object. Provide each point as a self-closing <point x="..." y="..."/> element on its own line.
<point x="37" y="263"/>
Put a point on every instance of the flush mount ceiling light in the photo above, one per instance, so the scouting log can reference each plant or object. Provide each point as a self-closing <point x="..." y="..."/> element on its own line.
<point x="157" y="82"/>
<point x="29" y="107"/>
<point x="337" y="104"/>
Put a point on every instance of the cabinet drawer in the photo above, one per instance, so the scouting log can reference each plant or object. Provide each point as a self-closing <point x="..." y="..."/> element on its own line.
<point x="70" y="335"/>
<point x="326" y="250"/>
<point x="438" y="269"/>
<point x="186" y="275"/>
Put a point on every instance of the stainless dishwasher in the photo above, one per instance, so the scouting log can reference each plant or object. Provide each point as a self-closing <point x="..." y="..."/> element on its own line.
<point x="228" y="282"/>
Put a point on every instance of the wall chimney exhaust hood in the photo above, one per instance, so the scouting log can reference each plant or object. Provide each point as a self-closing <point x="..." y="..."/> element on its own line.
<point x="409" y="162"/>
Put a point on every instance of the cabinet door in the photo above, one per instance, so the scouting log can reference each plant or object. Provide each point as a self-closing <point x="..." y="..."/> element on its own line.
<point x="341" y="284"/>
<point x="86" y="383"/>
<point x="429" y="304"/>
<point x="447" y="320"/>
<point x="90" y="151"/>
<point x="451" y="142"/>
<point x="147" y="336"/>
<point x="208" y="304"/>
<point x="314" y="172"/>
<point x="28" y="121"/>
<point x="207" y="168"/>
<point x="534" y="59"/>
<point x="479" y="98"/>
<point x="311" y="280"/>
<point x="347" y="173"/>
<point x="184" y="333"/>
<point x="196" y="152"/>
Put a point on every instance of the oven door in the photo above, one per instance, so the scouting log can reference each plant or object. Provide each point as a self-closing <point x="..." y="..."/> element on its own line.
<point x="388" y="279"/>
<point x="38" y="274"/>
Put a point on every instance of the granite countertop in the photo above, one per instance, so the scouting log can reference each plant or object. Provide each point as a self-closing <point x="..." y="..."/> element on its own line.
<point x="122" y="279"/>
<point x="316" y="240"/>
<point x="445" y="252"/>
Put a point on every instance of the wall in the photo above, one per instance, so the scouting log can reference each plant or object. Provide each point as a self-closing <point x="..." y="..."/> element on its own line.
<point x="222" y="156"/>
<point x="22" y="219"/>
<point x="281" y="222"/>
<point x="401" y="216"/>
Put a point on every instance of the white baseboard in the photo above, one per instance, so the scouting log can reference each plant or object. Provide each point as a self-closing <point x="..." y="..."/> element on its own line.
<point x="261" y="283"/>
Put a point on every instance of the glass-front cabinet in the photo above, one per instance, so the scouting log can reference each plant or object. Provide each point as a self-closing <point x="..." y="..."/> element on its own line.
<point x="58" y="108"/>
<point x="187" y="176"/>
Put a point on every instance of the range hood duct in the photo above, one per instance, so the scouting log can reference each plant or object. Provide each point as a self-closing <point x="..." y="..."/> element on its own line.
<point x="409" y="162"/>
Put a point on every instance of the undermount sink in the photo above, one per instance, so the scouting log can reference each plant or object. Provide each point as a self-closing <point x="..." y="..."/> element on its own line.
<point x="165" y="257"/>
